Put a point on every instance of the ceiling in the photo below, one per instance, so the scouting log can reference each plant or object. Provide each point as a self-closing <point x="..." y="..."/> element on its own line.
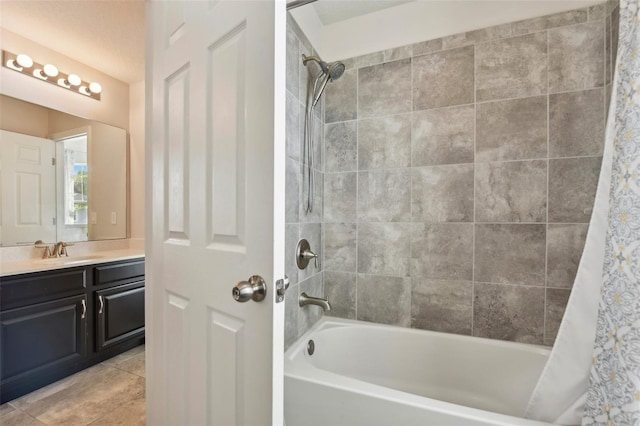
<point x="105" y="35"/>
<point x="332" y="11"/>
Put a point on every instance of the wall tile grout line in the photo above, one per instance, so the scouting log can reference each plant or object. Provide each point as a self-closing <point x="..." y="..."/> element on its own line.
<point x="475" y="153"/>
<point x="546" y="243"/>
<point x="357" y="289"/>
<point x="411" y="213"/>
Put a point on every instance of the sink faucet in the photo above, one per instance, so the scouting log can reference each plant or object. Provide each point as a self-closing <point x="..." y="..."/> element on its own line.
<point x="59" y="249"/>
<point x="304" y="300"/>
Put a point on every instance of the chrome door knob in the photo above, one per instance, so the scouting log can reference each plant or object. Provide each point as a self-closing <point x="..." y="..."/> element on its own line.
<point x="254" y="288"/>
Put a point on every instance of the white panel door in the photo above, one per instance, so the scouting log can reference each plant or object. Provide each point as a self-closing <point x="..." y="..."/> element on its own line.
<point x="215" y="188"/>
<point x="28" y="189"/>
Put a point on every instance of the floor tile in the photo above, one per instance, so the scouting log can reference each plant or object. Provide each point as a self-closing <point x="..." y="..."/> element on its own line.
<point x="131" y="414"/>
<point x="125" y="356"/>
<point x="134" y="365"/>
<point x="6" y="409"/>
<point x="18" y="418"/>
<point x="88" y="398"/>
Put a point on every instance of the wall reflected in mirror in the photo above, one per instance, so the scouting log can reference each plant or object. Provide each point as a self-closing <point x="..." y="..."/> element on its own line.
<point x="62" y="177"/>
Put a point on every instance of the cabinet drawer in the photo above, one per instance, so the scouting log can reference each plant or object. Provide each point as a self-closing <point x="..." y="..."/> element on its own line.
<point x="119" y="273"/>
<point x="119" y="314"/>
<point x="29" y="289"/>
<point x="42" y="337"/>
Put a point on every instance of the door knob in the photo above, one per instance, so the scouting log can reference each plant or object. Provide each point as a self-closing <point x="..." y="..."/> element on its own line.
<point x="254" y="288"/>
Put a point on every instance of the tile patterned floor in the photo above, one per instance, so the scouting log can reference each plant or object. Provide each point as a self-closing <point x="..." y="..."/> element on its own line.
<point x="110" y="393"/>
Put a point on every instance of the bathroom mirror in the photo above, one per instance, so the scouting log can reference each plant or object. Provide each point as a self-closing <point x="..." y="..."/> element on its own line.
<point x="62" y="177"/>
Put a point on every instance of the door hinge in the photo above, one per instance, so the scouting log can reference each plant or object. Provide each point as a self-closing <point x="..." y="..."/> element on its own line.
<point x="53" y="161"/>
<point x="281" y="287"/>
<point x="53" y="221"/>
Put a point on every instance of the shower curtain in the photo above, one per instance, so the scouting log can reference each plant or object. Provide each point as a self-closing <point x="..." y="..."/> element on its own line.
<point x="593" y="372"/>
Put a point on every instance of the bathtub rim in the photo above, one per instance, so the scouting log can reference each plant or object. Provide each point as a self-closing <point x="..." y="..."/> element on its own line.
<point x="326" y="323"/>
<point x="296" y="367"/>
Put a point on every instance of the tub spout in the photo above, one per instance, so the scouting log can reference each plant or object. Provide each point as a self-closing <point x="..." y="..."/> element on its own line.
<point x="308" y="300"/>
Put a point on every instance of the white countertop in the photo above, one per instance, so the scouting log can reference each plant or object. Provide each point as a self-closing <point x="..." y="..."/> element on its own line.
<point x="36" y="265"/>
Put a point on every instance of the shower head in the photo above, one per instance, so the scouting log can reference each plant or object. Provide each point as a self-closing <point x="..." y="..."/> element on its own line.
<point x="334" y="69"/>
<point x="334" y="72"/>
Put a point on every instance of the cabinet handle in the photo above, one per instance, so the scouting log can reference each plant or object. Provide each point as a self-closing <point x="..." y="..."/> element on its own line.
<point x="101" y="300"/>
<point x="84" y="309"/>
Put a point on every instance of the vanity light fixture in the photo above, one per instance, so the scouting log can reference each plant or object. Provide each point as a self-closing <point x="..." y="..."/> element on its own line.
<point x="20" y="62"/>
<point x="48" y="72"/>
<point x="93" y="88"/>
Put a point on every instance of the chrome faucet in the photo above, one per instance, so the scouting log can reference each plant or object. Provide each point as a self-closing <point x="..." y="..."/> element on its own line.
<point x="59" y="249"/>
<point x="304" y="300"/>
<point x="47" y="250"/>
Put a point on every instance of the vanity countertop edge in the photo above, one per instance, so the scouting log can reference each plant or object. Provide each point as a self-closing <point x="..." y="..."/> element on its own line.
<point x="38" y="265"/>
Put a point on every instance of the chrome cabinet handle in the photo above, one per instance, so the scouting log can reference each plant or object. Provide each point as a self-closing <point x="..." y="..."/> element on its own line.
<point x="254" y="288"/>
<point x="84" y="309"/>
<point x="101" y="301"/>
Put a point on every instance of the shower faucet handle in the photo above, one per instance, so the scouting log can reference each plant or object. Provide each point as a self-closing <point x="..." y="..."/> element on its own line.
<point x="304" y="254"/>
<point x="311" y="255"/>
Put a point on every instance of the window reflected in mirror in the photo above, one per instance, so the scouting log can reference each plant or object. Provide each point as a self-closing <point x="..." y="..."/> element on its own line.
<point x="75" y="178"/>
<point x="72" y="173"/>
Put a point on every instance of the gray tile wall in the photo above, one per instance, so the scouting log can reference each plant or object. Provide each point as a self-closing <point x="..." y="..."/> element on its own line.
<point x="460" y="175"/>
<point x="299" y="223"/>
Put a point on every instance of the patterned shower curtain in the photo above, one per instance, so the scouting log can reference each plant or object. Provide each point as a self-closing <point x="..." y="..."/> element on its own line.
<point x="613" y="397"/>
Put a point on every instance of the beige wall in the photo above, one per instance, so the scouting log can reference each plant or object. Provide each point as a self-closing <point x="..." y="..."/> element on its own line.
<point x="136" y="159"/>
<point x="61" y="122"/>
<point x="113" y="108"/>
<point x="13" y="113"/>
<point x="35" y="120"/>
<point x="107" y="182"/>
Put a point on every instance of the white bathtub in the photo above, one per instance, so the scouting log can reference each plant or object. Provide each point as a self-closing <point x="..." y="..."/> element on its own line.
<point x="368" y="374"/>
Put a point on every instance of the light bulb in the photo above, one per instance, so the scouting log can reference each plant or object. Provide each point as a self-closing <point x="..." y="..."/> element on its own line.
<point x="95" y="88"/>
<point x="74" y="80"/>
<point x="50" y="70"/>
<point x="38" y="73"/>
<point x="24" y="61"/>
<point x="64" y="83"/>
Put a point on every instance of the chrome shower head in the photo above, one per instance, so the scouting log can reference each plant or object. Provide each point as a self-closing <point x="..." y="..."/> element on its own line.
<point x="336" y="70"/>
<point x="333" y="70"/>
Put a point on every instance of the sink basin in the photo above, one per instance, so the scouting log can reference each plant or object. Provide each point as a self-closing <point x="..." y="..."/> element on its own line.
<point x="73" y="259"/>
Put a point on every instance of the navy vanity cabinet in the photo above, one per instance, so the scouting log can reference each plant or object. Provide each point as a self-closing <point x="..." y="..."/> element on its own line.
<point x="43" y="328"/>
<point x="50" y="325"/>
<point x="119" y="303"/>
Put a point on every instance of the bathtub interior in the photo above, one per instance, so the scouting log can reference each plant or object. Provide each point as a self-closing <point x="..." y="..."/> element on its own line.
<point x="473" y="372"/>
<point x="309" y="403"/>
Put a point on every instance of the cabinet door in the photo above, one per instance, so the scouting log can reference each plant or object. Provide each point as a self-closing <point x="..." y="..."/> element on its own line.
<point x="119" y="314"/>
<point x="43" y="337"/>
